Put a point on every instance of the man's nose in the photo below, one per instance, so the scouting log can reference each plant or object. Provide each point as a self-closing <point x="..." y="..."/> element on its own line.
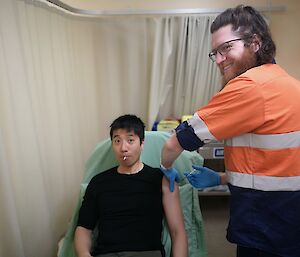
<point x="124" y="146"/>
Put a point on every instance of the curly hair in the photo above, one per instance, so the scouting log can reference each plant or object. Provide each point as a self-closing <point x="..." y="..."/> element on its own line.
<point x="247" y="22"/>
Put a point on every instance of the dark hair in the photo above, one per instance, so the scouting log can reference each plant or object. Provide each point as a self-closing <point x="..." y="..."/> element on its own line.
<point x="130" y="123"/>
<point x="247" y="22"/>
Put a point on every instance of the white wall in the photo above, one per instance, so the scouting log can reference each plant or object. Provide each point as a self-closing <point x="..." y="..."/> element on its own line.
<point x="283" y="24"/>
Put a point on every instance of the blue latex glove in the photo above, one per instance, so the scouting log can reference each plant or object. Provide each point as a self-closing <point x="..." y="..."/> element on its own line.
<point x="203" y="177"/>
<point x="172" y="176"/>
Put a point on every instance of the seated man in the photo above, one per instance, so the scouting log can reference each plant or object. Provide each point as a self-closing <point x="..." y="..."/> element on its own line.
<point x="127" y="203"/>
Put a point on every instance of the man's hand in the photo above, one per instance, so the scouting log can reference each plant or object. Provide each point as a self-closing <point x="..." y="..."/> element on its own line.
<point x="203" y="177"/>
<point x="172" y="176"/>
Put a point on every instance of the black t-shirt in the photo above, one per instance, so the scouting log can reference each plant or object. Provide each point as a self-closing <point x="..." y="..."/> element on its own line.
<point x="126" y="209"/>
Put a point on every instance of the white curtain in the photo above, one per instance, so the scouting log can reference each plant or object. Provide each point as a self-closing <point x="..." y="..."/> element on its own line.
<point x="183" y="79"/>
<point x="63" y="79"/>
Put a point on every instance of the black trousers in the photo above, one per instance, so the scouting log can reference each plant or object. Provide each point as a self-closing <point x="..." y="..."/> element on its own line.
<point x="251" y="252"/>
<point x="132" y="254"/>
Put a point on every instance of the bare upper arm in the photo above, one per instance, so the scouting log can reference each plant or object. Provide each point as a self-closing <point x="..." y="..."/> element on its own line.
<point x="172" y="207"/>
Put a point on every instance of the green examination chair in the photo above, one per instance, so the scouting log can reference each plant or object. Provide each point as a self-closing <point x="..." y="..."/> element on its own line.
<point x="103" y="158"/>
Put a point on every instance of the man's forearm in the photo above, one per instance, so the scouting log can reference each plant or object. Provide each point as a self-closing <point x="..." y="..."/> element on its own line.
<point x="223" y="178"/>
<point x="180" y="246"/>
<point x="171" y="150"/>
<point x="83" y="242"/>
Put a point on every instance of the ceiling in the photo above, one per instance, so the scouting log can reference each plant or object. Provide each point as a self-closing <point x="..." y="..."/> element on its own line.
<point x="127" y="7"/>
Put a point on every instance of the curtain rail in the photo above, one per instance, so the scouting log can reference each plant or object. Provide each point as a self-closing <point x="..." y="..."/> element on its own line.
<point x="100" y="13"/>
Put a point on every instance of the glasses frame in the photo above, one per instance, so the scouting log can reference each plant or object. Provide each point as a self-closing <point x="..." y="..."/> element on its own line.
<point x="213" y="54"/>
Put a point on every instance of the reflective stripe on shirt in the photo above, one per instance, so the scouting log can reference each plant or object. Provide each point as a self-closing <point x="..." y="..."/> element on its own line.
<point x="200" y="129"/>
<point x="264" y="183"/>
<point x="275" y="141"/>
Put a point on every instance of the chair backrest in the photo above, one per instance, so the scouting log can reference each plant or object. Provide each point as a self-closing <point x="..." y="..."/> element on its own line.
<point x="103" y="158"/>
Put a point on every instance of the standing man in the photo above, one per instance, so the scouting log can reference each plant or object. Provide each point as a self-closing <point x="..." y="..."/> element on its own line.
<point x="257" y="113"/>
<point x="127" y="203"/>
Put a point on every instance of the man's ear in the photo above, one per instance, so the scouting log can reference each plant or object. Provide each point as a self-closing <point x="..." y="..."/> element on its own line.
<point x="256" y="43"/>
<point x="142" y="144"/>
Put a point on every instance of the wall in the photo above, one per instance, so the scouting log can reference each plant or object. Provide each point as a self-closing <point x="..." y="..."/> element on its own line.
<point x="282" y="24"/>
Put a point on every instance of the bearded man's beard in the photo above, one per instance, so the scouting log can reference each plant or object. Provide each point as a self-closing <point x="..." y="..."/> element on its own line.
<point x="241" y="65"/>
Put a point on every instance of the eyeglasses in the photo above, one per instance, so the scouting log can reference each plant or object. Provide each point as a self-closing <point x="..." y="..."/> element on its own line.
<point x="223" y="49"/>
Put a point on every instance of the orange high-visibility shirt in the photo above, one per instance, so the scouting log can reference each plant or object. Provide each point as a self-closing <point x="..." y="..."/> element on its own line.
<point x="258" y="115"/>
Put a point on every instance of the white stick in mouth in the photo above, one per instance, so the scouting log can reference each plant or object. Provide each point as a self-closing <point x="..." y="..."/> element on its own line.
<point x="124" y="158"/>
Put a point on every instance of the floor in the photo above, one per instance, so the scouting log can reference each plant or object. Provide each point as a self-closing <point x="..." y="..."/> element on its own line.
<point x="215" y="212"/>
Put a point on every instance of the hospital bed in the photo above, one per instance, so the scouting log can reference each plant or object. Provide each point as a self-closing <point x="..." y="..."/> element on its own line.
<point x="103" y="158"/>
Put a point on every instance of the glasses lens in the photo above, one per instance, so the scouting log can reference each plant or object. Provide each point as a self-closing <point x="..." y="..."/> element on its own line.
<point x="212" y="56"/>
